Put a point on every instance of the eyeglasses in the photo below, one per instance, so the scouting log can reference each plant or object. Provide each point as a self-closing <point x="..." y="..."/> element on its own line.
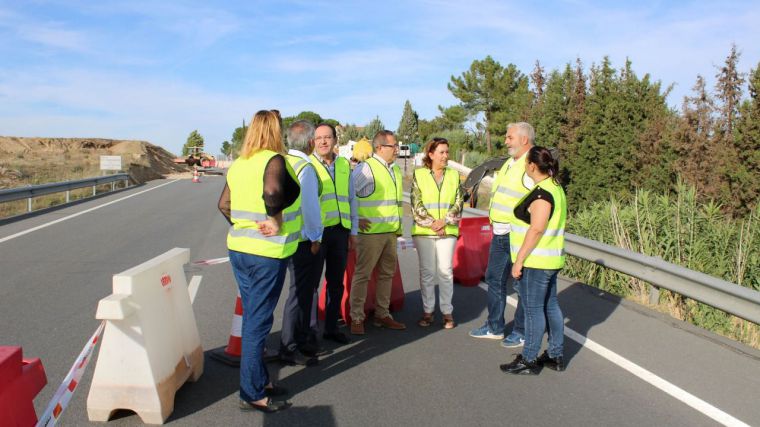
<point x="391" y="146"/>
<point x="323" y="138"/>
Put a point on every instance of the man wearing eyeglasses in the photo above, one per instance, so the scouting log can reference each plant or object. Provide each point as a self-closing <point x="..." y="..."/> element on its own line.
<point x="339" y="218"/>
<point x="377" y="182"/>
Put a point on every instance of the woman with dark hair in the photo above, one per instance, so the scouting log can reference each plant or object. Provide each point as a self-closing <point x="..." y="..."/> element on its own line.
<point x="261" y="185"/>
<point x="437" y="200"/>
<point x="538" y="253"/>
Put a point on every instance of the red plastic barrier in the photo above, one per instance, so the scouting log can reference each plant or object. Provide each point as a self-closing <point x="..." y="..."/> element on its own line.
<point x="471" y="251"/>
<point x="397" y="291"/>
<point x="20" y="381"/>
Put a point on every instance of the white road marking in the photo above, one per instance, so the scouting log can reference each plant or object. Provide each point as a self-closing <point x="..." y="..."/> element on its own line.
<point x="669" y="388"/>
<point x="192" y="287"/>
<point x="21" y="233"/>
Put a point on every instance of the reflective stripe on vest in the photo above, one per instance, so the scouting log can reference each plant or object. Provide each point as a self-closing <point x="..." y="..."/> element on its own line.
<point x="334" y="200"/>
<point x="437" y="201"/>
<point x="549" y="253"/>
<point x="245" y="179"/>
<point x="383" y="207"/>
<point x="292" y="219"/>
<point x="507" y="190"/>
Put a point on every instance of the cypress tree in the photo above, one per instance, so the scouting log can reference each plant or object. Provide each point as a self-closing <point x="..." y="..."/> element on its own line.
<point x="408" y="132"/>
<point x="692" y="142"/>
<point x="746" y="171"/>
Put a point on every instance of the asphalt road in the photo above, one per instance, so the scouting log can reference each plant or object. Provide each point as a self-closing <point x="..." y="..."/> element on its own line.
<point x="53" y="277"/>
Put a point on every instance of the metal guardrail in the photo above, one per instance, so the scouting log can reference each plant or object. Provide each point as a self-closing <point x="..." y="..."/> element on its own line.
<point x="729" y="297"/>
<point x="33" y="191"/>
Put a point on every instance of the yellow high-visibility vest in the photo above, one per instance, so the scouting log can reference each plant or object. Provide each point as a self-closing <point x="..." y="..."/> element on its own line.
<point x="437" y="201"/>
<point x="334" y="199"/>
<point x="245" y="179"/>
<point x="549" y="253"/>
<point x="292" y="219"/>
<point x="383" y="207"/>
<point x="508" y="189"/>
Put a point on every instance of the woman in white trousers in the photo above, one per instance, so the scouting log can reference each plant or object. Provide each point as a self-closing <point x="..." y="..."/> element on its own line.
<point x="437" y="200"/>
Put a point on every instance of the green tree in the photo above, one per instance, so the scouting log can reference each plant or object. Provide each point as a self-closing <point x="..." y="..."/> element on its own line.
<point x="500" y="93"/>
<point x="693" y="139"/>
<point x="407" y="128"/>
<point x="238" y="136"/>
<point x="193" y="140"/>
<point x="311" y="116"/>
<point x="746" y="172"/>
<point x="373" y="127"/>
<point x="617" y="114"/>
<point x="226" y="148"/>
<point x="350" y="133"/>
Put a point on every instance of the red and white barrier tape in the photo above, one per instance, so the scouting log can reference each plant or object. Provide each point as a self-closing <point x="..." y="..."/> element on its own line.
<point x="63" y="395"/>
<point x="211" y="261"/>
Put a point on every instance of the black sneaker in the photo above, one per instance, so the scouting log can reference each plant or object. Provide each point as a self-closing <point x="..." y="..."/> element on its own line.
<point x="554" y="363"/>
<point x="297" y="358"/>
<point x="338" y="337"/>
<point x="520" y="366"/>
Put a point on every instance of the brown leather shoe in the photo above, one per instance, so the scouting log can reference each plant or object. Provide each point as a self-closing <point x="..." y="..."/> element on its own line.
<point x="388" y="322"/>
<point x="357" y="328"/>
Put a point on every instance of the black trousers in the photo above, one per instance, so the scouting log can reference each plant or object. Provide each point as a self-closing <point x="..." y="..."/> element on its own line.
<point x="305" y="271"/>
<point x="335" y="253"/>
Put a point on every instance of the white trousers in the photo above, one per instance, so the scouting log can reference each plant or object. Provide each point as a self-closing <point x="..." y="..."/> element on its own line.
<point x="436" y="259"/>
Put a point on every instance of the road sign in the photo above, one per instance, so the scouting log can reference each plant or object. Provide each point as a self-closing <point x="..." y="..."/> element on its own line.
<point x="110" y="163"/>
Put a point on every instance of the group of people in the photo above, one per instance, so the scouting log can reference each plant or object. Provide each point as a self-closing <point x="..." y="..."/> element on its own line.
<point x="303" y="209"/>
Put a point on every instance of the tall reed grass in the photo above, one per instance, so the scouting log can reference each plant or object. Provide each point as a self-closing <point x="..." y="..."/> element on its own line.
<point x="678" y="229"/>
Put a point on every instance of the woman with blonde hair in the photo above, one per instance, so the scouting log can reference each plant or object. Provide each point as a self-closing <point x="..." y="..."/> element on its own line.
<point x="260" y="185"/>
<point x="437" y="200"/>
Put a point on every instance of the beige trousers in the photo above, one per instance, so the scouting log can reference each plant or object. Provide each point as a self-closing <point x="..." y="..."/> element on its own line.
<point x="373" y="250"/>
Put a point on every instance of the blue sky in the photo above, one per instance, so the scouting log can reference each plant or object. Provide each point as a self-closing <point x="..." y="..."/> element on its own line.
<point x="156" y="70"/>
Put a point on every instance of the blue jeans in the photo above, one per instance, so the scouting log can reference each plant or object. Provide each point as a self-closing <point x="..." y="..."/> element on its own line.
<point x="498" y="274"/>
<point x="260" y="282"/>
<point x="538" y="289"/>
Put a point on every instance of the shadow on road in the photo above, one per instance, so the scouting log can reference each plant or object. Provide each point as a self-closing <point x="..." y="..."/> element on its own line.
<point x="220" y="381"/>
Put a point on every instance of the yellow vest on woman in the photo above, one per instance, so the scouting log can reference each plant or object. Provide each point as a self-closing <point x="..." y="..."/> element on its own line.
<point x="437" y="201"/>
<point x="549" y="253"/>
<point x="245" y="179"/>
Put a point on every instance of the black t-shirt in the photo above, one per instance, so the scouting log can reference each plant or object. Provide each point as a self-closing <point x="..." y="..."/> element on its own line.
<point x="521" y="210"/>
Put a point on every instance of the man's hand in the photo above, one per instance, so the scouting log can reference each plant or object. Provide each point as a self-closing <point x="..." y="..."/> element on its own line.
<point x="364" y="224"/>
<point x="351" y="243"/>
<point x="315" y="247"/>
<point x="438" y="224"/>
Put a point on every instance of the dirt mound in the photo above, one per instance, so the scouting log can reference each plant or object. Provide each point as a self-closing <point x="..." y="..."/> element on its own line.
<point x="31" y="161"/>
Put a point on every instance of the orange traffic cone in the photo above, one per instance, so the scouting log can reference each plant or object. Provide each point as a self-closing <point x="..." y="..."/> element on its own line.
<point x="196" y="175"/>
<point x="231" y="354"/>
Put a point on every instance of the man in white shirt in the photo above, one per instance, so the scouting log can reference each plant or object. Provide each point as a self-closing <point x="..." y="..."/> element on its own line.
<point x="510" y="185"/>
<point x="377" y="182"/>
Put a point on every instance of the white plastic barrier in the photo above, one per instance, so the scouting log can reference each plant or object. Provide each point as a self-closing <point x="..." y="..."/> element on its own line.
<point x="150" y="344"/>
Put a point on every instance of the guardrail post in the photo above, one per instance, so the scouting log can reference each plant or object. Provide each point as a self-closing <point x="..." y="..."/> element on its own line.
<point x="68" y="196"/>
<point x="113" y="185"/>
<point x="94" y="189"/>
<point x="29" y="204"/>
<point x="654" y="295"/>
